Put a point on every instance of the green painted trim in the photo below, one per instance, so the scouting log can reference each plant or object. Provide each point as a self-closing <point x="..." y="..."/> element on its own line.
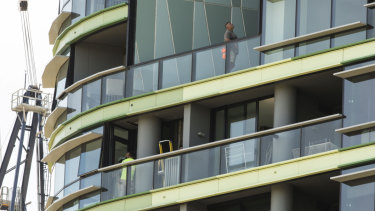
<point x="358" y="163"/>
<point x="67" y="29"/>
<point x="356" y="146"/>
<point x="115" y="199"/>
<point x="360" y="59"/>
<point x="332" y="49"/>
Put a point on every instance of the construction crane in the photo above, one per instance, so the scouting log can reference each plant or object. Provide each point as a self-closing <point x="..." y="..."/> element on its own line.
<point x="32" y="107"/>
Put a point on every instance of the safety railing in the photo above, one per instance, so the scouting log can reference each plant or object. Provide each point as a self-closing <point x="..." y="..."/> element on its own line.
<point x="31" y="100"/>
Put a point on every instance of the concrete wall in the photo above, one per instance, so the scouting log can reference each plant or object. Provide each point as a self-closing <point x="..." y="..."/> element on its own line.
<point x="196" y="120"/>
<point x="91" y="58"/>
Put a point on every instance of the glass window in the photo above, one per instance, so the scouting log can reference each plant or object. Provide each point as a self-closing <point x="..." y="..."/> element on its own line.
<point x="280" y="146"/>
<point x="266" y="109"/>
<point x="71" y="188"/>
<point x="239" y="123"/>
<point x="181" y="16"/>
<point x="251" y="16"/>
<point x="90" y="156"/>
<point x="280" y="20"/>
<point x="176" y="71"/>
<point x="145" y="30"/>
<point x="278" y="54"/>
<point x="310" y="20"/>
<point x="239" y="156"/>
<point x="340" y="17"/>
<point x="113" y="87"/>
<point x="79" y="8"/>
<point x="163" y="36"/>
<point x="200" y="30"/>
<point x="241" y="55"/>
<point x="91" y="95"/>
<point x="209" y="63"/>
<point x="360" y="197"/>
<point x="71" y="165"/>
<point x="142" y="79"/>
<point x="371" y="22"/>
<point x="359" y="99"/>
<point x="94" y="5"/>
<point x="217" y="16"/>
<point x="89" y="199"/>
<point x="61" y="78"/>
<point x="59" y="174"/>
<point x="361" y="137"/>
<point x="112" y="184"/>
<point x="91" y="180"/>
<point x="71" y="206"/>
<point x="74" y="103"/>
<point x="313" y="46"/>
<point x="321" y="137"/>
<point x="110" y="3"/>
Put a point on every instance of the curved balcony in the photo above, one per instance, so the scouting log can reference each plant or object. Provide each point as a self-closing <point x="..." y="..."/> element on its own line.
<point x="90" y="24"/>
<point x="217" y="158"/>
<point x="71" y="11"/>
<point x="142" y="81"/>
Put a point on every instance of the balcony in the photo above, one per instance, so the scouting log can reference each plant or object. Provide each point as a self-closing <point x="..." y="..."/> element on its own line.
<point x="212" y="159"/>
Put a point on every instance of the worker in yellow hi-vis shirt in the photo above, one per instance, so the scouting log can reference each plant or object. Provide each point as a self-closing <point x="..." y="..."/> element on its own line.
<point x="128" y="157"/>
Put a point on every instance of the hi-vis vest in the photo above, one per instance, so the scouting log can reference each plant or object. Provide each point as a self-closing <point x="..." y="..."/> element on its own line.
<point x="124" y="170"/>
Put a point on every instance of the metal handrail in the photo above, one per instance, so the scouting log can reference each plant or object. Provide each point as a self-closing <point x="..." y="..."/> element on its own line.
<point x="224" y="142"/>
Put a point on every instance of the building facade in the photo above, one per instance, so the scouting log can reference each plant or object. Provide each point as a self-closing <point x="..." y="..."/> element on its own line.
<point x="280" y="119"/>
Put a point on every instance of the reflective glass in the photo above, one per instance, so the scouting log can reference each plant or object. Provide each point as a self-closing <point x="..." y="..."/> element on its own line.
<point x="209" y="63"/>
<point x="278" y="54"/>
<point x="110" y="3"/>
<point x="371" y="22"/>
<point x="71" y="188"/>
<point x="167" y="172"/>
<point x="200" y="164"/>
<point x="181" y="16"/>
<point x="200" y="30"/>
<point x="113" y="87"/>
<point x="321" y="138"/>
<point x="89" y="199"/>
<point x="59" y="174"/>
<point x="237" y="20"/>
<point x="141" y="177"/>
<point x="251" y="16"/>
<point x="91" y="95"/>
<point x="361" y="137"/>
<point x="163" y="35"/>
<point x="241" y="55"/>
<point x="79" y="9"/>
<point x="61" y="78"/>
<point x="142" y="79"/>
<point x="145" y="30"/>
<point x="313" y="46"/>
<point x="94" y="5"/>
<point x="239" y="156"/>
<point x="176" y="71"/>
<point x="114" y="184"/>
<point x="359" y="100"/>
<point x="66" y="6"/>
<point x="74" y="103"/>
<point x="360" y="197"/>
<point x="91" y="180"/>
<point x="280" y="146"/>
<point x="90" y="156"/>
<point x="310" y="20"/>
<point x="219" y="2"/>
<point x="71" y="206"/>
<point x="71" y="165"/>
<point x="280" y="20"/>
<point x="217" y="15"/>
<point x="340" y="17"/>
<point x="238" y="123"/>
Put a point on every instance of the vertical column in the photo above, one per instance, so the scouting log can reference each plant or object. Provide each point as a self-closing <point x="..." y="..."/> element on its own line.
<point x="149" y="133"/>
<point x="196" y="125"/>
<point x="284" y="114"/>
<point x="149" y="129"/>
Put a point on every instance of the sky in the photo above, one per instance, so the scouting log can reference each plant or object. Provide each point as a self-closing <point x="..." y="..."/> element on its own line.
<point x="12" y="64"/>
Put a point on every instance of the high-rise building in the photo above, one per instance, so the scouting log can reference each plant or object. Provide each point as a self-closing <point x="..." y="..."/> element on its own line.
<point x="153" y="110"/>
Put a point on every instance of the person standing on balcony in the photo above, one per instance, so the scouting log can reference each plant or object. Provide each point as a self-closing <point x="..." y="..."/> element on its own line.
<point x="232" y="48"/>
<point x="128" y="157"/>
